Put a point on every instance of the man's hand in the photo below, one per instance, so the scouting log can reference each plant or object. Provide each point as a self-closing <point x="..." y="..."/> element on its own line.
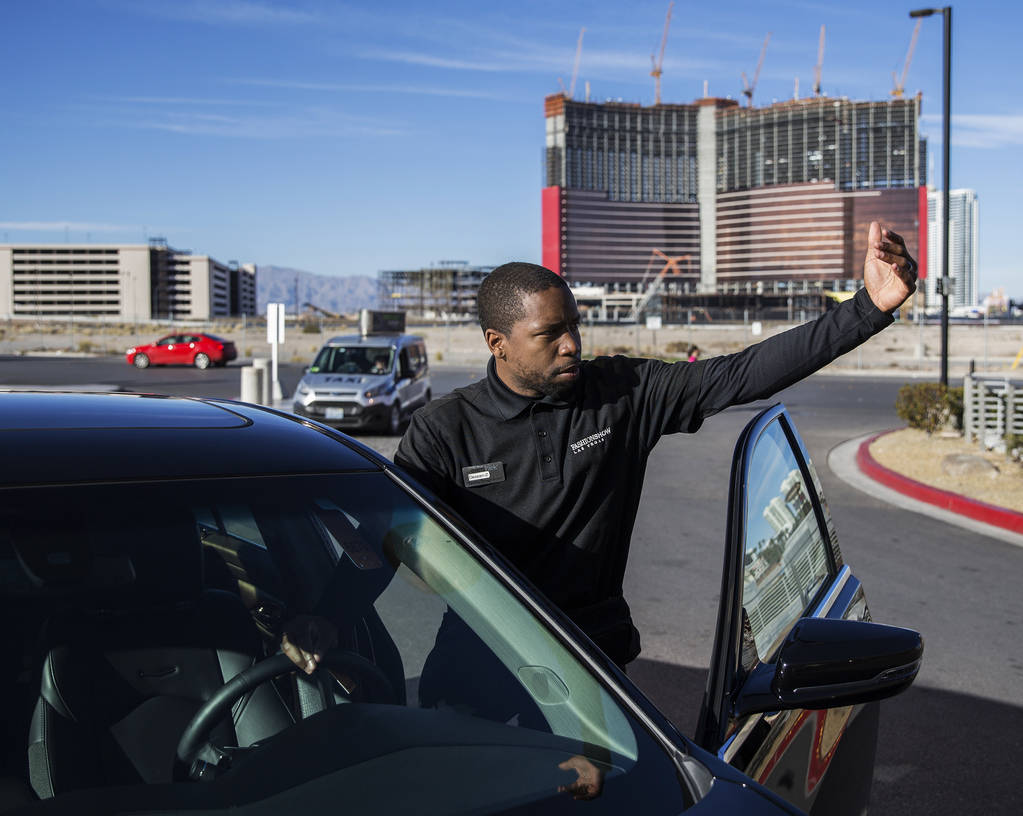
<point x="889" y="273"/>
<point x="589" y="781"/>
<point x="305" y="640"/>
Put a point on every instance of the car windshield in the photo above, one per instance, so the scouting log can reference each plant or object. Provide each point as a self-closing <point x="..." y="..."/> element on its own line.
<point x="473" y="688"/>
<point x="353" y="360"/>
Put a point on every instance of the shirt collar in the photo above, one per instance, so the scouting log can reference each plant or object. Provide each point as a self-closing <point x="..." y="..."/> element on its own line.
<point x="509" y="404"/>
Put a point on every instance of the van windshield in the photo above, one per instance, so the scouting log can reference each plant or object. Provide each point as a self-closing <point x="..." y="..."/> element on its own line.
<point x="353" y="360"/>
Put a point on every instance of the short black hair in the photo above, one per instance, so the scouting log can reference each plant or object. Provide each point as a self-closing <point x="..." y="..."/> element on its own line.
<point x="500" y="296"/>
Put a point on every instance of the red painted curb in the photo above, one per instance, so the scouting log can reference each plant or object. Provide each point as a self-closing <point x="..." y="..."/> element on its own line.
<point x="981" y="511"/>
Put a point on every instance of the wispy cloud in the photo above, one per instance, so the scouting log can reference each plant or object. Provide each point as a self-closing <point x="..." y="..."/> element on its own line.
<point x="332" y="87"/>
<point x="227" y="12"/>
<point x="177" y="100"/>
<point x="610" y="62"/>
<point x="986" y="131"/>
<point x="297" y="124"/>
<point x="78" y="226"/>
<point x="260" y="119"/>
<point x="434" y="61"/>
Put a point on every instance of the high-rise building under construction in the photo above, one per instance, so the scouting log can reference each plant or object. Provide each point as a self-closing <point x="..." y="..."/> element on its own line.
<point x="710" y="200"/>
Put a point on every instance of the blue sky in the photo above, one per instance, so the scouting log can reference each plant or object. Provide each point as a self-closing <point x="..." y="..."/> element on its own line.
<point x="344" y="138"/>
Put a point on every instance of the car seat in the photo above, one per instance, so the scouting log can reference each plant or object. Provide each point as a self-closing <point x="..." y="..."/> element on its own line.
<point x="135" y="649"/>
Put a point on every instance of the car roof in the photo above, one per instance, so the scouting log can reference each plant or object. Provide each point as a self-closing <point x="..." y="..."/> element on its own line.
<point x="64" y="437"/>
<point x="373" y="339"/>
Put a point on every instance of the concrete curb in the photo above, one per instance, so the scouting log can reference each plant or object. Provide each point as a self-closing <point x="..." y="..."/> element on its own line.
<point x="972" y="508"/>
<point x="842" y="460"/>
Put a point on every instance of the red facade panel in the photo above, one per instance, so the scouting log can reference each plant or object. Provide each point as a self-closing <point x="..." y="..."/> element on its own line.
<point x="551" y="218"/>
<point x="896" y="209"/>
<point x="921" y="245"/>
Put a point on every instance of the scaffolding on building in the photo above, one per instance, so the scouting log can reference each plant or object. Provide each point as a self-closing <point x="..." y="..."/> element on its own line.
<point x="446" y="291"/>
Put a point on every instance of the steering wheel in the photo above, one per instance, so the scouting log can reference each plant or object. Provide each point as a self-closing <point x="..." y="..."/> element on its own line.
<point x="197" y="756"/>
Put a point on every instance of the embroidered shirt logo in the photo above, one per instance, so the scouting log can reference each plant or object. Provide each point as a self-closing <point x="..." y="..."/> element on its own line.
<point x="590" y="441"/>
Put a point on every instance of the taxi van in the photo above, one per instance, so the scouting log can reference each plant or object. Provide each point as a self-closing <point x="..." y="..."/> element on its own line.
<point x="371" y="380"/>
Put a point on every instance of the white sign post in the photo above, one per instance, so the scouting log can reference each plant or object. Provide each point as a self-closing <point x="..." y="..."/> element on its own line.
<point x="275" y="336"/>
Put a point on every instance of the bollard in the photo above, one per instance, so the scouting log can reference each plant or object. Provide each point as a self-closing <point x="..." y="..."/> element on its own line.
<point x="252" y="384"/>
<point x="263" y="364"/>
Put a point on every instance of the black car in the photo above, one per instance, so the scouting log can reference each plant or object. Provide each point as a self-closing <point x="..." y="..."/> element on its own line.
<point x="152" y="549"/>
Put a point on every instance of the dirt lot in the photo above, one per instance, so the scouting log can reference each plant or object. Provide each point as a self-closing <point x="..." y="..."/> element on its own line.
<point x="913" y="453"/>
<point x="904" y="349"/>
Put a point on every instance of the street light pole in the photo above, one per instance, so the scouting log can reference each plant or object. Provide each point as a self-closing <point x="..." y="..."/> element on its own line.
<point x="945" y="283"/>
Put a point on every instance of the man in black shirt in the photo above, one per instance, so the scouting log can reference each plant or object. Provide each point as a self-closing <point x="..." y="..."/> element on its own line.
<point x="546" y="455"/>
<point x="546" y="458"/>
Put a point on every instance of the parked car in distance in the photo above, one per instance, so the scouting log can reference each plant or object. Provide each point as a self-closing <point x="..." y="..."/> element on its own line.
<point x="152" y="550"/>
<point x="365" y="381"/>
<point x="198" y="349"/>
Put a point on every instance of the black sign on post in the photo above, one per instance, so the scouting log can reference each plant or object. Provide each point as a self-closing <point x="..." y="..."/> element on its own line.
<point x="374" y="322"/>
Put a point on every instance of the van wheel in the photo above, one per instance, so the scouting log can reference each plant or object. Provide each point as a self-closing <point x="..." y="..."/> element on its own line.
<point x="394" y="419"/>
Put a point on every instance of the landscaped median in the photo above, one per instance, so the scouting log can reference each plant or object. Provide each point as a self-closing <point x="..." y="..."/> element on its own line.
<point x="915" y="453"/>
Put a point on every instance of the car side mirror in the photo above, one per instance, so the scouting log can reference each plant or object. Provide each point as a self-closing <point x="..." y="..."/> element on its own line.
<point x="830" y="662"/>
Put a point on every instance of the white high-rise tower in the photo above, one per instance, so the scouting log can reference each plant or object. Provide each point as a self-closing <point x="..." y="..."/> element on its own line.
<point x="962" y="252"/>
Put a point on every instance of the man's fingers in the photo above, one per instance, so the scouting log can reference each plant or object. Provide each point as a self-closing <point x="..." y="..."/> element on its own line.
<point x="301" y="658"/>
<point x="897" y="257"/>
<point x="901" y="261"/>
<point x="892" y="246"/>
<point x="894" y="236"/>
<point x="874" y="233"/>
<point x="312" y="634"/>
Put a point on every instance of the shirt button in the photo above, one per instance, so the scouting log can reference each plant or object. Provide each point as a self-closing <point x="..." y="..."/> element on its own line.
<point x="547" y="459"/>
<point x="541" y="434"/>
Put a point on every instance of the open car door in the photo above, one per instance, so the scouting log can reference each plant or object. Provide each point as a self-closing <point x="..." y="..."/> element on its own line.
<point x="797" y="662"/>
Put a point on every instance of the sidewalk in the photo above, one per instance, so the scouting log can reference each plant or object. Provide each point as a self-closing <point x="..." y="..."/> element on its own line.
<point x="851" y="461"/>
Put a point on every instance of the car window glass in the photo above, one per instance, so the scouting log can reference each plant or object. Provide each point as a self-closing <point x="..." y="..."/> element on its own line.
<point x="237" y="520"/>
<point x="352" y="360"/>
<point x="417" y="355"/>
<point x="469" y="663"/>
<point x="786" y="558"/>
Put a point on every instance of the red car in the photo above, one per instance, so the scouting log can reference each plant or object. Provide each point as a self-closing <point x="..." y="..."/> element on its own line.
<point x="200" y="350"/>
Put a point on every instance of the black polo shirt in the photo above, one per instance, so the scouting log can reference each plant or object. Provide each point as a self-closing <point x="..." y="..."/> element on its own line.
<point x="555" y="485"/>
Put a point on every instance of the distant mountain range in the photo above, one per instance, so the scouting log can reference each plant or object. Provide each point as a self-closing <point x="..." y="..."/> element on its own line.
<point x="333" y="293"/>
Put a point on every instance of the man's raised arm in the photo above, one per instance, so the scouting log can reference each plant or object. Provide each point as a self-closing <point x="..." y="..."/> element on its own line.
<point x="889" y="276"/>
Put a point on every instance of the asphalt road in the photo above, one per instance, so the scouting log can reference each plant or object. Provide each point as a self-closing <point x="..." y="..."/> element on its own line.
<point x="948" y="745"/>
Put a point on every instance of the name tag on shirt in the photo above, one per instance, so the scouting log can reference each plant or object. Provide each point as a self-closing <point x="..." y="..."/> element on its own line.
<point x="480" y="475"/>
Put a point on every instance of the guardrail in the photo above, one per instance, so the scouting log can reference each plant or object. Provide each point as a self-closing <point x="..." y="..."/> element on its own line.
<point x="992" y="410"/>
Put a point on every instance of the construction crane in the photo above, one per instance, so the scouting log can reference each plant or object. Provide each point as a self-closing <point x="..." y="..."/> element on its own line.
<point x="670" y="265"/>
<point x="659" y="61"/>
<point x="570" y="91"/>
<point x="820" y="62"/>
<point x="899" y="84"/>
<point x="747" y="86"/>
<point x="575" y="66"/>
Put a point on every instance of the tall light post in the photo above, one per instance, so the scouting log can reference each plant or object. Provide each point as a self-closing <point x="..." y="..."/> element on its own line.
<point x="945" y="283"/>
